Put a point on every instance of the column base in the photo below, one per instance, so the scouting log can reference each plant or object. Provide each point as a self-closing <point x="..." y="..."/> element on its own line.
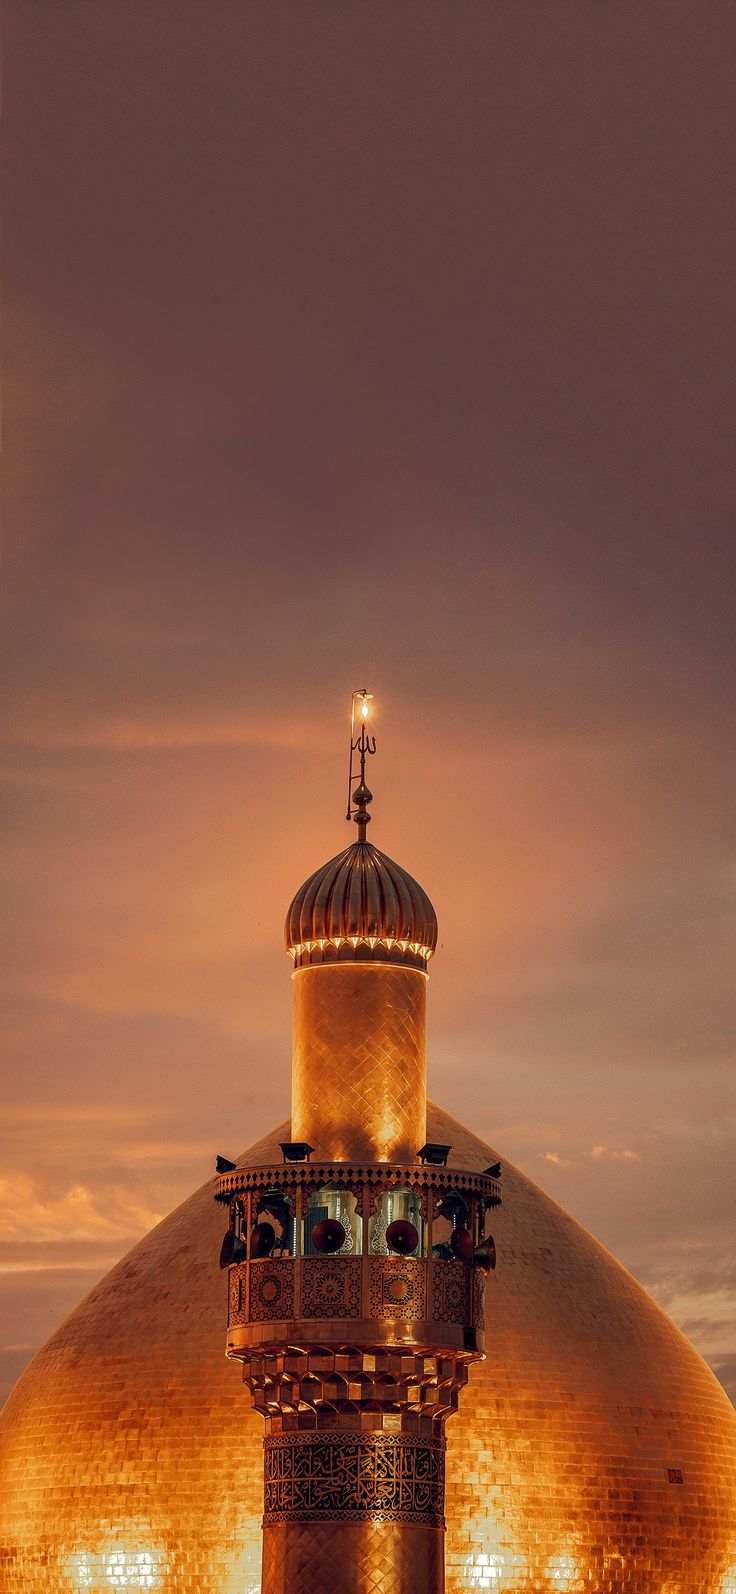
<point x="359" y="1557"/>
<point x="353" y="1513"/>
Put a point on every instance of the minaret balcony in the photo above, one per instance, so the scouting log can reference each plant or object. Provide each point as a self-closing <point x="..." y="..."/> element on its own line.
<point x="331" y="1254"/>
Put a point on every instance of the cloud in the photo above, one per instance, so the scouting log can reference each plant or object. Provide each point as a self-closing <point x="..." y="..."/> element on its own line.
<point x="596" y="1154"/>
<point x="724" y="1368"/>
<point x="611" y="1155"/>
<point x="52" y="726"/>
<point x="490" y="481"/>
<point x="76" y="1214"/>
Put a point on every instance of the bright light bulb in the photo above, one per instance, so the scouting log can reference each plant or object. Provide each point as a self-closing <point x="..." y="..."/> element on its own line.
<point x="364" y="708"/>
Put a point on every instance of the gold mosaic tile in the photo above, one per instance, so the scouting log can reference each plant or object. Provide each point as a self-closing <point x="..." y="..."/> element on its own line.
<point x="359" y="1068"/>
<point x="593" y="1452"/>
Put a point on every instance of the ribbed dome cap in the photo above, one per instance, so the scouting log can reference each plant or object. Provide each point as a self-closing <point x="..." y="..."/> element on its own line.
<point x="361" y="907"/>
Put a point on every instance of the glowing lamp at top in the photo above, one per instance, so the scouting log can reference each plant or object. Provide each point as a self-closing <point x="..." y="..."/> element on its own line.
<point x="362" y="700"/>
<point x="362" y="745"/>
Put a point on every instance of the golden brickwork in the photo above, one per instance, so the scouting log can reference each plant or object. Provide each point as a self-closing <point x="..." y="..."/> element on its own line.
<point x="129" y="1449"/>
<point x="358" y="1073"/>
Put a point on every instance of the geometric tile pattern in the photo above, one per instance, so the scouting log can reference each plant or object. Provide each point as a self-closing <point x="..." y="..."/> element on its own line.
<point x="331" y="1287"/>
<point x="237" y="1294"/>
<point x="450" y="1287"/>
<point x="397" y="1288"/>
<point x="358" y="1072"/>
<point x="479" y="1298"/>
<point x="271" y="1290"/>
<point x="374" y="1558"/>
<point x="129" y="1443"/>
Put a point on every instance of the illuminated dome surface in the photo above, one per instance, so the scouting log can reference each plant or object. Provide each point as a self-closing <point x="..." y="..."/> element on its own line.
<point x="593" y="1451"/>
<point x="358" y="899"/>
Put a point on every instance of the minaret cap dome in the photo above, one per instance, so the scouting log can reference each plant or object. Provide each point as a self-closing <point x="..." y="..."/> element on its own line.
<point x="361" y="907"/>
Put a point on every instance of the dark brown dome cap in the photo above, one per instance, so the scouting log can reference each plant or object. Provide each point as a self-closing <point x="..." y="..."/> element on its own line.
<point x="361" y="907"/>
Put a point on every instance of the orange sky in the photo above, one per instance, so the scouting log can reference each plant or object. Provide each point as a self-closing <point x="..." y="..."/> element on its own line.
<point x="368" y="346"/>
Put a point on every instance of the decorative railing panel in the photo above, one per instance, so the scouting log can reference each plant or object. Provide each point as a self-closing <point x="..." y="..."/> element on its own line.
<point x="331" y="1287"/>
<point x="397" y="1288"/>
<point x="271" y="1290"/>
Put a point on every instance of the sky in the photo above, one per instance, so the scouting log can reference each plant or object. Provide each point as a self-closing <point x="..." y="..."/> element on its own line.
<point x="376" y="345"/>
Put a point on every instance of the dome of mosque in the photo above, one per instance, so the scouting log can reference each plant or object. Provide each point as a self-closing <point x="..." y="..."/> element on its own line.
<point x="360" y="907"/>
<point x="594" y="1452"/>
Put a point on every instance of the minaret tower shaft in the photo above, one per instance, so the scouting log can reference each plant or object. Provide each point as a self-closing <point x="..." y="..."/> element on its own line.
<point x="357" y="1268"/>
<point x="361" y="933"/>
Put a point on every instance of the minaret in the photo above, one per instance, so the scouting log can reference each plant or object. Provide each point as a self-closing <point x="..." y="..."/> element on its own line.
<point x="357" y="1267"/>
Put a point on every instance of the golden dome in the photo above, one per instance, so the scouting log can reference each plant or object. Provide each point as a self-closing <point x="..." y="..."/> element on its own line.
<point x="594" y="1452"/>
<point x="361" y="907"/>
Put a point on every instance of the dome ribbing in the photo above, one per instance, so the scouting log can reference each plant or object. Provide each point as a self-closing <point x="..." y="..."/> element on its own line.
<point x="361" y="907"/>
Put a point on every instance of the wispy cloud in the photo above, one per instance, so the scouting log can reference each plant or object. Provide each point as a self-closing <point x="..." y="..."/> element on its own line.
<point x="220" y="525"/>
<point x="76" y="1214"/>
<point x="600" y="1154"/>
<point x="36" y="728"/>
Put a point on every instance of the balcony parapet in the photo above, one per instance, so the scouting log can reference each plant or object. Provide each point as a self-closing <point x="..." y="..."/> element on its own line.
<point x="331" y="1253"/>
<point x="357" y="1177"/>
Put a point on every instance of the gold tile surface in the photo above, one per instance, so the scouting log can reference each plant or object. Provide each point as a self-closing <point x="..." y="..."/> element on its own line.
<point x="130" y="1457"/>
<point x="300" y="1558"/>
<point x="359" y="1068"/>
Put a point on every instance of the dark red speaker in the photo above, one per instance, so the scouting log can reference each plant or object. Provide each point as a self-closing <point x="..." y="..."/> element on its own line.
<point x="328" y="1235"/>
<point x="485" y="1254"/>
<point x="262" y="1237"/>
<point x="402" y="1237"/>
<point x="226" y="1249"/>
<point x="461" y="1241"/>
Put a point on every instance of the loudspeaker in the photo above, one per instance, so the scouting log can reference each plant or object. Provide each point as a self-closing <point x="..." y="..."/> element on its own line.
<point x="262" y="1237"/>
<point x="402" y="1237"/>
<point x="232" y="1249"/>
<point x="461" y="1241"/>
<point x="485" y="1254"/>
<point x="328" y="1235"/>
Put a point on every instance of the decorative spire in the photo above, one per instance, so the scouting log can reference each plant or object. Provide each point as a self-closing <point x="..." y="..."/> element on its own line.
<point x="359" y="796"/>
<point x="361" y="907"/>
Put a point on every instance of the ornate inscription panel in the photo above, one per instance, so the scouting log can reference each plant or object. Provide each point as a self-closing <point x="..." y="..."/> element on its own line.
<point x="332" y="1475"/>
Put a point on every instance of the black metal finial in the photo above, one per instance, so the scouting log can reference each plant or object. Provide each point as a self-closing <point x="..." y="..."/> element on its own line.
<point x="359" y="795"/>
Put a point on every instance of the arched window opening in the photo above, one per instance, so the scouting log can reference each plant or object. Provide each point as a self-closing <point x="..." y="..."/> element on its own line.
<point x="274" y="1228"/>
<point x="332" y="1226"/>
<point x="397" y="1227"/>
<point x="452" y="1228"/>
